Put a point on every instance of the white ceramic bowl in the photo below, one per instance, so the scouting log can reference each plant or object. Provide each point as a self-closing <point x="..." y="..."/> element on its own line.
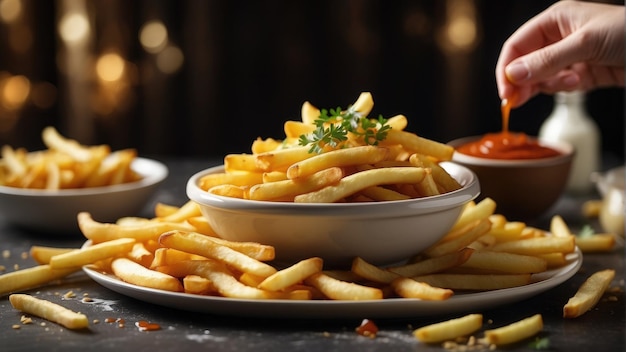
<point x="379" y="232"/>
<point x="56" y="211"/>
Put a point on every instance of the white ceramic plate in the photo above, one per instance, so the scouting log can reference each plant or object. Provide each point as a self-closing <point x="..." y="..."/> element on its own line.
<point x="387" y="308"/>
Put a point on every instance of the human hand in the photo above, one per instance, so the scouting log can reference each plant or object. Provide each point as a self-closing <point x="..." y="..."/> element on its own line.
<point x="572" y="45"/>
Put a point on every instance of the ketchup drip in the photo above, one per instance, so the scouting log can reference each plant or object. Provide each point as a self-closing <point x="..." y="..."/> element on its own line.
<point x="507" y="145"/>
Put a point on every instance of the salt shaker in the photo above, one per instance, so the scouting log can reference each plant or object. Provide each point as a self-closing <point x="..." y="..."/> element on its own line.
<point x="570" y="122"/>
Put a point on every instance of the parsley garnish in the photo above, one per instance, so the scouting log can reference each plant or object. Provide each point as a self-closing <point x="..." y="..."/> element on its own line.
<point x="586" y="231"/>
<point x="542" y="343"/>
<point x="333" y="126"/>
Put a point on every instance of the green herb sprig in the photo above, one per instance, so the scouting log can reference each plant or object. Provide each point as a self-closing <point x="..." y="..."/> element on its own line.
<point x="332" y="128"/>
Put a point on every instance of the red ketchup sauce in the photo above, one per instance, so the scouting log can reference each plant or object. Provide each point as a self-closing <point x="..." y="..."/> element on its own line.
<point x="507" y="145"/>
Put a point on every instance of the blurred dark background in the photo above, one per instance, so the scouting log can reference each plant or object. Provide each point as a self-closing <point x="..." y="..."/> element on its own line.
<point x="205" y="78"/>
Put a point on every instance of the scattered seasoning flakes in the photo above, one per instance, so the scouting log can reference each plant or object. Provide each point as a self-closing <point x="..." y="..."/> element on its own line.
<point x="120" y="322"/>
<point x="3" y="268"/>
<point x="26" y="320"/>
<point x="16" y="267"/>
<point x="16" y="326"/>
<point x="69" y="294"/>
<point x="6" y="254"/>
<point x="470" y="343"/>
<point x="24" y="255"/>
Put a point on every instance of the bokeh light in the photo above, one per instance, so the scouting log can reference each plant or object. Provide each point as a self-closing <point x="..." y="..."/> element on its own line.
<point x="153" y="36"/>
<point x="10" y="10"/>
<point x="74" y="28"/>
<point x="14" y="92"/>
<point x="110" y="67"/>
<point x="170" y="60"/>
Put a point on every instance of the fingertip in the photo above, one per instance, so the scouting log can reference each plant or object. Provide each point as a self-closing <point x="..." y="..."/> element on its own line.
<point x="517" y="72"/>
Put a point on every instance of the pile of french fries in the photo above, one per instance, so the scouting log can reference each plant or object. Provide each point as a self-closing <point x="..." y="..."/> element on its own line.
<point x="403" y="165"/>
<point x="65" y="164"/>
<point x="178" y="251"/>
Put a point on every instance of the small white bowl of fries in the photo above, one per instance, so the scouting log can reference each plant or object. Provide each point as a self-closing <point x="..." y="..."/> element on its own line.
<point x="45" y="190"/>
<point x="380" y="197"/>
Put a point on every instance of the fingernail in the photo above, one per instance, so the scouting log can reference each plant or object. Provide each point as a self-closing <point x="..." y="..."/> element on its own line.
<point x="517" y="72"/>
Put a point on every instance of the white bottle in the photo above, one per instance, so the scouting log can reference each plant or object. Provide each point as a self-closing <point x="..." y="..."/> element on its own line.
<point x="570" y="122"/>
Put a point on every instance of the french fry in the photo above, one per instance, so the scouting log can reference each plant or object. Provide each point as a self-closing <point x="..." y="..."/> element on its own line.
<point x="292" y="275"/>
<point x="291" y="188"/>
<point x="440" y="175"/>
<point x="282" y="158"/>
<point x="449" y="329"/>
<point x="162" y="210"/>
<point x="558" y="227"/>
<point x="254" y="250"/>
<point x="224" y="281"/>
<point x="293" y="129"/>
<point x="398" y="122"/>
<point x="201" y="224"/>
<point x="55" y="141"/>
<point x="260" y="146"/>
<point x="381" y="194"/>
<point x="91" y="254"/>
<point x="470" y="233"/>
<point x="101" y="232"/>
<point x="409" y="288"/>
<point x="42" y="254"/>
<point x="240" y="178"/>
<point x="14" y="161"/>
<point x="505" y="262"/>
<point x="588" y="294"/>
<point x="31" y="277"/>
<point x="427" y="187"/>
<point x="134" y="273"/>
<point x="372" y="272"/>
<point x="475" y="282"/>
<point x="481" y="210"/>
<point x="433" y="265"/>
<point x="337" y="158"/>
<point x="198" y="285"/>
<point x="537" y="245"/>
<point x="139" y="253"/>
<point x="49" y="311"/>
<point x="342" y="290"/>
<point x="169" y="256"/>
<point x="420" y="145"/>
<point x="196" y="244"/>
<point x="361" y="180"/>
<point x="240" y="162"/>
<point x="309" y="113"/>
<point x="599" y="242"/>
<point x="515" y="332"/>
<point x="187" y="210"/>
<point x="228" y="190"/>
<point x="364" y="103"/>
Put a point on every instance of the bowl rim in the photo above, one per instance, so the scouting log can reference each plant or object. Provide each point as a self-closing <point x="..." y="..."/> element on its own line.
<point x="469" y="191"/>
<point x="153" y="172"/>
<point x="567" y="153"/>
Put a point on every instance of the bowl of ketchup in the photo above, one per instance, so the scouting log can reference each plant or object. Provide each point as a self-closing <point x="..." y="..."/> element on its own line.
<point x="523" y="174"/>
